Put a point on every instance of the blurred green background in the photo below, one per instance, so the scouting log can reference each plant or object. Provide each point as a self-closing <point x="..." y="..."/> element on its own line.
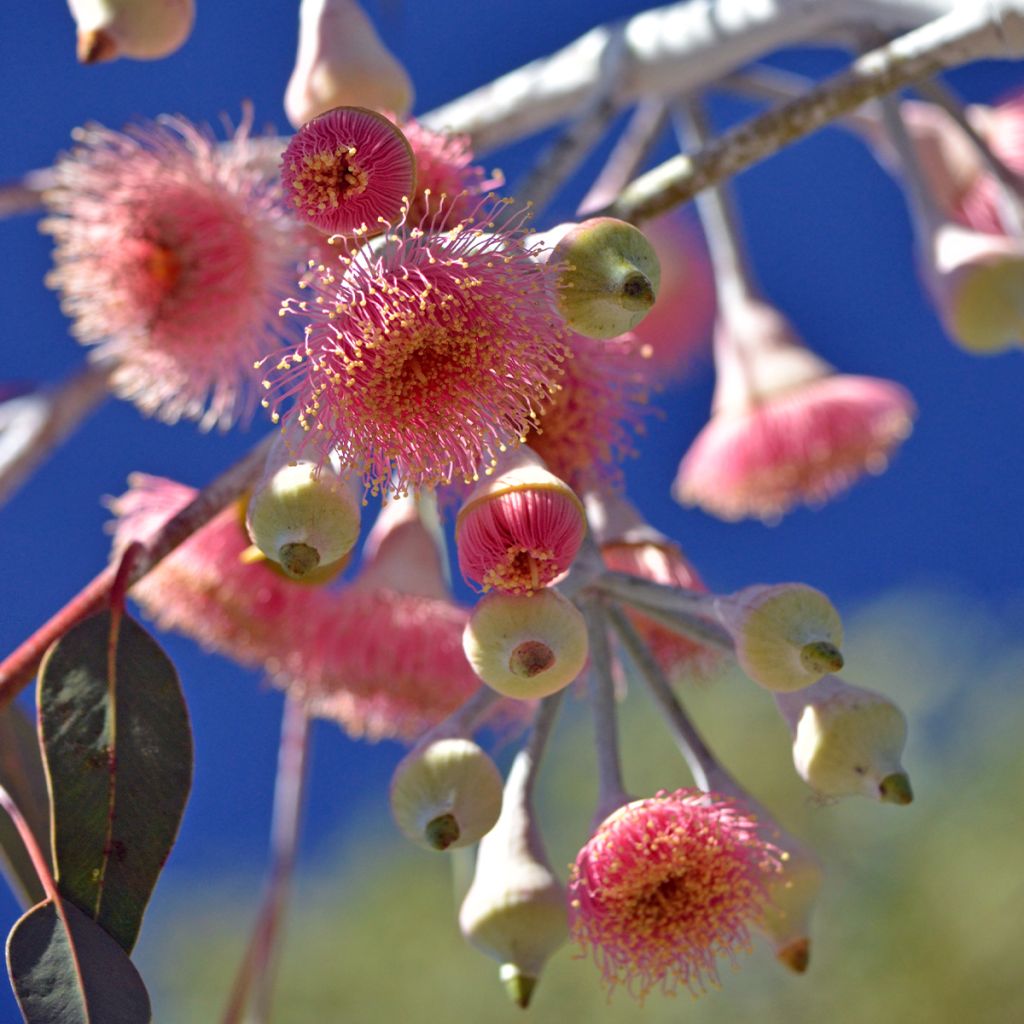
<point x="921" y="920"/>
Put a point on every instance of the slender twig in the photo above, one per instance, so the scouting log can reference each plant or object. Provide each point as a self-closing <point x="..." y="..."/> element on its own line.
<point x="32" y="426"/>
<point x="17" y="670"/>
<point x="684" y="611"/>
<point x="465" y="719"/>
<point x="558" y="163"/>
<point x="967" y="33"/>
<point x="540" y="733"/>
<point x="923" y="204"/>
<point x="611" y="789"/>
<point x="632" y="148"/>
<point x="698" y="757"/>
<point x="258" y="967"/>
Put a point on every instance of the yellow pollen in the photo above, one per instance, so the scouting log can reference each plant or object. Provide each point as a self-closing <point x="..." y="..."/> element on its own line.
<point x="327" y="180"/>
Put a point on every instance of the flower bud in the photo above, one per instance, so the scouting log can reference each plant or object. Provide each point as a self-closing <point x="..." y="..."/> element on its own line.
<point x="301" y="515"/>
<point x="446" y="795"/>
<point x="515" y="910"/>
<point x="608" y="275"/>
<point x="847" y="740"/>
<point x="977" y="281"/>
<point x="141" y="29"/>
<point x="787" y="636"/>
<point x="519" y="530"/>
<point x="526" y="647"/>
<point x="342" y="62"/>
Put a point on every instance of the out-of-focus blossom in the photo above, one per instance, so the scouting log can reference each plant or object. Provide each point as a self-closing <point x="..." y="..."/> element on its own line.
<point x="172" y="256"/>
<point x="141" y="29"/>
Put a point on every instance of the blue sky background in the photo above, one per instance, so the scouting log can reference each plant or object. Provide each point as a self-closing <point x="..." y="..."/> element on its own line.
<point x="830" y="242"/>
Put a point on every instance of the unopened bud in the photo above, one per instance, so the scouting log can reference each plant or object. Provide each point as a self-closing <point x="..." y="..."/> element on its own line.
<point x="787" y="636"/>
<point x="526" y="647"/>
<point x="608" y="275"/>
<point x="977" y="281"/>
<point x="515" y="910"/>
<point x="446" y="795"/>
<point x="342" y="62"/>
<point x="301" y="515"/>
<point x="519" y="530"/>
<point x="847" y="740"/>
<point x="141" y="29"/>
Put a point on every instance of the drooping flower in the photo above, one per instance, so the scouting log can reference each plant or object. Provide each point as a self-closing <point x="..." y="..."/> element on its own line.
<point x="448" y="184"/>
<point x="631" y="545"/>
<point x="348" y="171"/>
<point x="785" y="428"/>
<point x="172" y="256"/>
<point x="384" y="657"/>
<point x="342" y="61"/>
<point x="667" y="885"/>
<point x="205" y="588"/>
<point x="424" y="355"/>
<point x="588" y="428"/>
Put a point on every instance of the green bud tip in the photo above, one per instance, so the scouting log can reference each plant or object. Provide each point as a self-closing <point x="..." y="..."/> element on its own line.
<point x="519" y="986"/>
<point x="821" y="656"/>
<point x="442" y="831"/>
<point x="636" y="293"/>
<point x="298" y="559"/>
<point x="895" y="789"/>
<point x="531" y="658"/>
<point x="796" y="955"/>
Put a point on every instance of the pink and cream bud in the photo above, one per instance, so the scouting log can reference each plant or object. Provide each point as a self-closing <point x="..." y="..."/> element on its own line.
<point x="515" y="910"/>
<point x="446" y="795"/>
<point x="608" y="275"/>
<point x="520" y="529"/>
<point x="302" y="516"/>
<point x="787" y="636"/>
<point x="399" y="554"/>
<point x="342" y="62"/>
<point x="526" y="646"/>
<point x="140" y="29"/>
<point x="847" y="740"/>
<point x="977" y="281"/>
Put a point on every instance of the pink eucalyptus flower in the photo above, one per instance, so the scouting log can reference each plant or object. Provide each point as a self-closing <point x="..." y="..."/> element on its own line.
<point x="665" y="886"/>
<point x="172" y="256"/>
<point x="785" y="428"/>
<point x="424" y="354"/>
<point x="205" y="588"/>
<point x="348" y="171"/>
<point x="448" y="184"/>
<point x="384" y="656"/>
<point x="588" y="428"/>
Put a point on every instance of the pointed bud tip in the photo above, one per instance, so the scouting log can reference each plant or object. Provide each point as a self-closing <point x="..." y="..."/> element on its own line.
<point x="518" y="986"/>
<point x="298" y="559"/>
<point x="895" y="789"/>
<point x="531" y="658"/>
<point x="96" y="46"/>
<point x="442" y="831"/>
<point x="821" y="656"/>
<point x="796" y="955"/>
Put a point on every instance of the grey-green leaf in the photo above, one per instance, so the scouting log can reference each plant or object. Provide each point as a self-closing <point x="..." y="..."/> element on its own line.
<point x="96" y="985"/>
<point x="22" y="775"/>
<point x="118" y="753"/>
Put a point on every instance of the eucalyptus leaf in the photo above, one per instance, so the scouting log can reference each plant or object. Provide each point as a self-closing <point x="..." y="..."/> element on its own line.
<point x="94" y="984"/>
<point x="118" y="753"/>
<point x="22" y="775"/>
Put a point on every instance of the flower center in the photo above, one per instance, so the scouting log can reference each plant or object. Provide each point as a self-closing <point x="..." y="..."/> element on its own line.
<point x="324" y="181"/>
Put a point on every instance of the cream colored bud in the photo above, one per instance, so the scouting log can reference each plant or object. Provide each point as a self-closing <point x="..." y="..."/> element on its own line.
<point x="141" y="29"/>
<point x="608" y="275"/>
<point x="526" y="646"/>
<point x="342" y="62"/>
<point x="446" y="795"/>
<point x="301" y="515"/>
<point x="847" y="740"/>
<point x="515" y="910"/>
<point x="787" y="636"/>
